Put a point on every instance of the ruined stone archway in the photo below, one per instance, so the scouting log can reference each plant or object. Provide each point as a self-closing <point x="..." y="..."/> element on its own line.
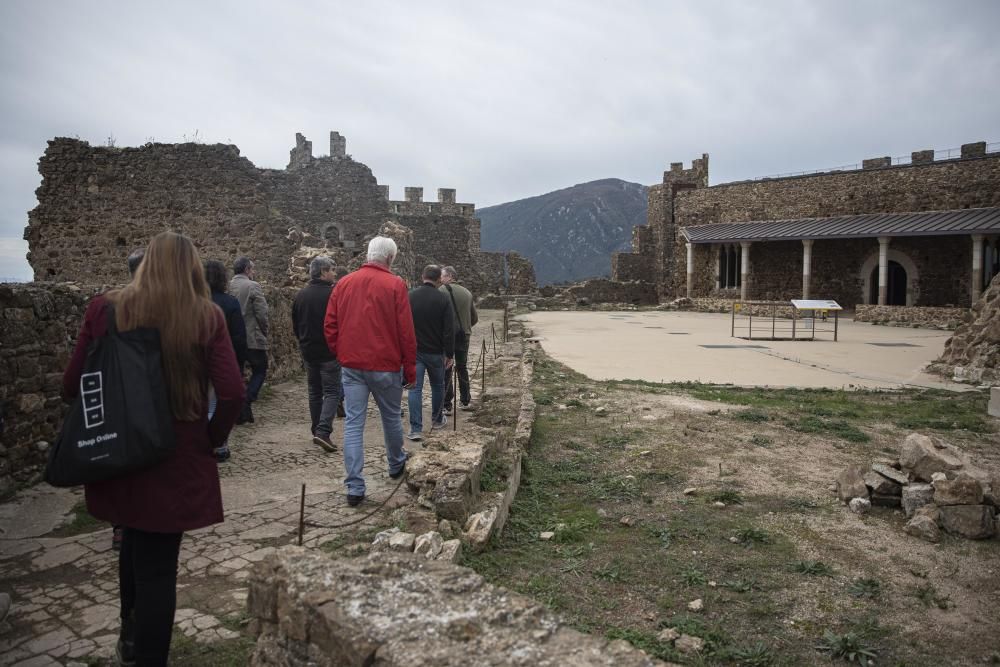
<point x="870" y="265"/>
<point x="333" y="235"/>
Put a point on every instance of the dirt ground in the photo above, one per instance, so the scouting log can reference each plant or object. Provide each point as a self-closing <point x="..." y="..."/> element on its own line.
<point x="781" y="567"/>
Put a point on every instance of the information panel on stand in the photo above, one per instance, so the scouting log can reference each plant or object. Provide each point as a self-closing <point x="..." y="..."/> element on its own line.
<point x="815" y="304"/>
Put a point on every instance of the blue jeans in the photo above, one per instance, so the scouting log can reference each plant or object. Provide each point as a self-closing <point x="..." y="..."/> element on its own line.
<point x="387" y="388"/>
<point x="323" y="378"/>
<point x="434" y="365"/>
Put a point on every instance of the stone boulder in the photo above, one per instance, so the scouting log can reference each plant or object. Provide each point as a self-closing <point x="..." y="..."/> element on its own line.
<point x="881" y="485"/>
<point x="972" y="521"/>
<point x="851" y="483"/>
<point x="916" y="495"/>
<point x="924" y="527"/>
<point x="963" y="490"/>
<point x="922" y="456"/>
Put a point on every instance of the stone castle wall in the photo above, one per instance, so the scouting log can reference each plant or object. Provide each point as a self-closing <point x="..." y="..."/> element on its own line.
<point x="96" y="204"/>
<point x="942" y="263"/>
<point x="395" y="609"/>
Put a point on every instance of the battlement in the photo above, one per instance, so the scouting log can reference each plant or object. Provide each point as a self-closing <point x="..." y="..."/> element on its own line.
<point x="302" y="154"/>
<point x="413" y="203"/>
<point x="977" y="149"/>
<point x="697" y="175"/>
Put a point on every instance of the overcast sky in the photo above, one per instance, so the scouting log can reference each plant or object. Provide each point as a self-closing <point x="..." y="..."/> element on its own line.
<point x="501" y="100"/>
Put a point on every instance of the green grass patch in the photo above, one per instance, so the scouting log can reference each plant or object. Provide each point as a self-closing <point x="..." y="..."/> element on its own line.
<point x="226" y="653"/>
<point x="494" y="476"/>
<point x="79" y="522"/>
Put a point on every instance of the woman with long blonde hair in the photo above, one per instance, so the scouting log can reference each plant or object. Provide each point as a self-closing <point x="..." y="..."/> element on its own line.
<point x="157" y="504"/>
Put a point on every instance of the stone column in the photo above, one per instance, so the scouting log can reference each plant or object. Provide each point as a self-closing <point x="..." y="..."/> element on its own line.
<point x="744" y="270"/>
<point x="977" y="266"/>
<point x="807" y="253"/>
<point x="883" y="269"/>
<point x="718" y="266"/>
<point x="690" y="269"/>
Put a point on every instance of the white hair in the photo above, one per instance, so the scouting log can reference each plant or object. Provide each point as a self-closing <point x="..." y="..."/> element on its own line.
<point x="381" y="249"/>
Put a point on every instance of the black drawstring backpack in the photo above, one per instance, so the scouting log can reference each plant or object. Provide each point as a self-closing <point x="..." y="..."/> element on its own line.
<point x="121" y="421"/>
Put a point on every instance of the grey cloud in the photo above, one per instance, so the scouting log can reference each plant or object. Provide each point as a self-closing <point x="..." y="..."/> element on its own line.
<point x="500" y="101"/>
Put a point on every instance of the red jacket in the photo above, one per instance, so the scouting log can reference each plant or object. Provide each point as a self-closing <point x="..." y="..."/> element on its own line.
<point x="368" y="323"/>
<point x="181" y="493"/>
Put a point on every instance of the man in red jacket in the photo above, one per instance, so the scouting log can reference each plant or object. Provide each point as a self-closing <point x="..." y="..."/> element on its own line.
<point x="369" y="328"/>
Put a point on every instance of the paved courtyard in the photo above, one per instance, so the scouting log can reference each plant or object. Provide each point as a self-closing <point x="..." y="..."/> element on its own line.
<point x="658" y="346"/>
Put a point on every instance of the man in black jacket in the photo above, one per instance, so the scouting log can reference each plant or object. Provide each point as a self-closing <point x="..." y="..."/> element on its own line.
<point x="322" y="368"/>
<point x="434" y="325"/>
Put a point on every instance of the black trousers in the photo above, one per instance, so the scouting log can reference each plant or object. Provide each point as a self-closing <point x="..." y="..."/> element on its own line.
<point x="258" y="371"/>
<point x="462" y="369"/>
<point x="147" y="578"/>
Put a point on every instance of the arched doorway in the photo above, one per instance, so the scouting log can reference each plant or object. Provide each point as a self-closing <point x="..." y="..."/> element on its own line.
<point x="895" y="295"/>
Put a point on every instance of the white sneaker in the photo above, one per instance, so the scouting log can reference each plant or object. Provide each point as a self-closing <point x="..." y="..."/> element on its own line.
<point x="441" y="424"/>
<point x="414" y="436"/>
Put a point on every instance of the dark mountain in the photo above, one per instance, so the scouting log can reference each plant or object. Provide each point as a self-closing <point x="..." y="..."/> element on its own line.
<point x="568" y="234"/>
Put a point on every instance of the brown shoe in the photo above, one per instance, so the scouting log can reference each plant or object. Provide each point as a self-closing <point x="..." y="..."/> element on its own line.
<point x="324" y="442"/>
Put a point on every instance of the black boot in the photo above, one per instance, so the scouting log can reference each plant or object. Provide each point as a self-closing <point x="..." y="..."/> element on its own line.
<point x="125" y="649"/>
<point x="246" y="414"/>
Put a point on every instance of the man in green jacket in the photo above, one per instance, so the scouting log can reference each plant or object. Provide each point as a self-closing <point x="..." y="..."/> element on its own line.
<point x="466" y="318"/>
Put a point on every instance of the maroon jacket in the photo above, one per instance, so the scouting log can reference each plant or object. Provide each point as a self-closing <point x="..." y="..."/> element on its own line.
<point x="181" y="493"/>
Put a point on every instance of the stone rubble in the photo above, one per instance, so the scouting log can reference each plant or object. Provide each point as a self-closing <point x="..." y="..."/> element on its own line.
<point x="936" y="485"/>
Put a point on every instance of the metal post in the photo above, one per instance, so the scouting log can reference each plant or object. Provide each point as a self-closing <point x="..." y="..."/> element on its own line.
<point x="454" y="397"/>
<point x="814" y="325"/>
<point x="732" y="326"/>
<point x="795" y="318"/>
<point x="302" y="513"/>
<point x="836" y="319"/>
<point x="750" y="326"/>
<point x="482" y="358"/>
<point x="506" y="319"/>
<point x="774" y="315"/>
<point x="493" y="330"/>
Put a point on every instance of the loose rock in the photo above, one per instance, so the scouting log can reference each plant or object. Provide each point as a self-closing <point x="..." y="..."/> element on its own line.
<point x="922" y="456"/>
<point x="401" y="541"/>
<point x="860" y="505"/>
<point x="851" y="483"/>
<point x="881" y="485"/>
<point x="668" y="635"/>
<point x="428" y="545"/>
<point x="696" y="605"/>
<point x="627" y="520"/>
<point x="891" y="473"/>
<point x="451" y="550"/>
<point x="916" y="495"/>
<point x="963" y="490"/>
<point x="546" y="535"/>
<point x="687" y="644"/>
<point x="972" y="521"/>
<point x="690" y="491"/>
<point x="924" y="527"/>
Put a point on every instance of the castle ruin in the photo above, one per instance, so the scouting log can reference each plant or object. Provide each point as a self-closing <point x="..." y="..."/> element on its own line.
<point x="97" y="203"/>
<point x="922" y="232"/>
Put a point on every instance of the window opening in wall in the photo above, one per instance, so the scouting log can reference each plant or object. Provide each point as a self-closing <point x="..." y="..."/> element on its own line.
<point x="333" y="236"/>
<point x="730" y="267"/>
<point x="895" y="295"/>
